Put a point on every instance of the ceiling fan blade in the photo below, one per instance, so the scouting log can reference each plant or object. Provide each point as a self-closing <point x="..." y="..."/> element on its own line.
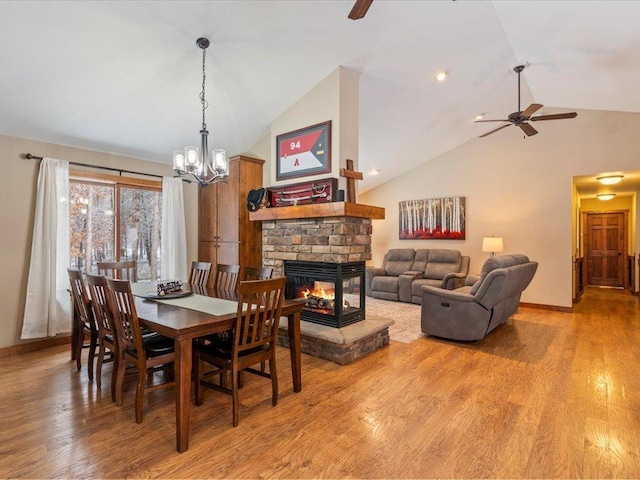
<point x="557" y="116"/>
<point x="359" y="9"/>
<point x="493" y="131"/>
<point x="530" y="110"/>
<point x="481" y="121"/>
<point x="528" y="129"/>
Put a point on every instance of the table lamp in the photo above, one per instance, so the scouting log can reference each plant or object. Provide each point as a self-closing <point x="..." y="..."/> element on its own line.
<point x="493" y="245"/>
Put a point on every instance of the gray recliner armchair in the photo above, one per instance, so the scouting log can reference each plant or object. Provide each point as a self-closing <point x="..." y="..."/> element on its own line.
<point x="471" y="312"/>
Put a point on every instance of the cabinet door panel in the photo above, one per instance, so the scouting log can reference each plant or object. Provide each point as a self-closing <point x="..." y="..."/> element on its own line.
<point x="228" y="253"/>
<point x="207" y="213"/>
<point x="207" y="252"/>
<point x="227" y="205"/>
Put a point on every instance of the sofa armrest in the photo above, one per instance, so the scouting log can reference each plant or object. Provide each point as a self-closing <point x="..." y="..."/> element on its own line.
<point x="404" y="284"/>
<point x="471" y="279"/>
<point x="369" y="274"/>
<point x="446" y="295"/>
<point x="452" y="280"/>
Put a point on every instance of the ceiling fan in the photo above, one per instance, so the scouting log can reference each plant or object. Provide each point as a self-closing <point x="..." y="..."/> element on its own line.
<point x="521" y="117"/>
<point x="359" y="9"/>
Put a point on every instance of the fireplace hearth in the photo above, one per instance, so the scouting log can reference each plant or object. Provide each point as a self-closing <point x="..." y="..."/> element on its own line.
<point x="334" y="292"/>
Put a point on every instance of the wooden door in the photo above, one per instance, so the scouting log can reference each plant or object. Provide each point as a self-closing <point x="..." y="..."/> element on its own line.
<point x="605" y="245"/>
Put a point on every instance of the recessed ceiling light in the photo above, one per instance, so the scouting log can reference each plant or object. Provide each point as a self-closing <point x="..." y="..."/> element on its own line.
<point x="375" y="171"/>
<point x="441" y="76"/>
<point x="610" y="179"/>
<point x="605" y="196"/>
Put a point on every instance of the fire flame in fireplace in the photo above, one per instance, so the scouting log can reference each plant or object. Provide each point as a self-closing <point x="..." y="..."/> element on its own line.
<point x="322" y="297"/>
<point x="319" y="291"/>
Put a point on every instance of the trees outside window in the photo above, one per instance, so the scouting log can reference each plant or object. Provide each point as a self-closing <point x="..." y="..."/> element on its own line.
<point x="115" y="220"/>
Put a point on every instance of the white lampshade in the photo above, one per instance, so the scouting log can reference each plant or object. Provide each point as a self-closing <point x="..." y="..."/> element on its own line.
<point x="492" y="244"/>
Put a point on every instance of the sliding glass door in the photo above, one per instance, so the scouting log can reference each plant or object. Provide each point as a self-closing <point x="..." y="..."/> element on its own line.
<point x="115" y="222"/>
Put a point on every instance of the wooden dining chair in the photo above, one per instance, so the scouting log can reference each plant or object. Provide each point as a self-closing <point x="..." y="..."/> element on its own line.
<point x="126" y="270"/>
<point x="226" y="277"/>
<point x="257" y="273"/>
<point x="107" y="339"/>
<point x="144" y="355"/>
<point x="253" y="341"/>
<point x="84" y="316"/>
<point x="199" y="273"/>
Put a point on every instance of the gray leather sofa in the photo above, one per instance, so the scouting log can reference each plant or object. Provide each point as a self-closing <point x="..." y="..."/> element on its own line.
<point x="405" y="271"/>
<point x="470" y="312"/>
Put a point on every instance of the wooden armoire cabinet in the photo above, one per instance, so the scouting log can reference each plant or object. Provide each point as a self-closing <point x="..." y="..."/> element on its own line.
<point x="225" y="234"/>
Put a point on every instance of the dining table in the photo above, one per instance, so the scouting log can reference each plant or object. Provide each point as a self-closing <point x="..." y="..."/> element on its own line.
<point x="205" y="312"/>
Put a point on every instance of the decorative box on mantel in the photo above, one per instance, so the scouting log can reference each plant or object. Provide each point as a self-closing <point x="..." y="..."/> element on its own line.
<point x="338" y="232"/>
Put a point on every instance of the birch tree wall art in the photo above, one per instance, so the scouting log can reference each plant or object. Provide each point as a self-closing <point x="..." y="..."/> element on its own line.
<point x="433" y="219"/>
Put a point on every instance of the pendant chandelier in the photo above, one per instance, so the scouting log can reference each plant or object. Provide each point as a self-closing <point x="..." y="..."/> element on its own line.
<point x="195" y="161"/>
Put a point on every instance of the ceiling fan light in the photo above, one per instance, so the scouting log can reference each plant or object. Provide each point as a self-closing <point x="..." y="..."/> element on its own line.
<point x="480" y="116"/>
<point x="605" y="196"/>
<point x="610" y="179"/>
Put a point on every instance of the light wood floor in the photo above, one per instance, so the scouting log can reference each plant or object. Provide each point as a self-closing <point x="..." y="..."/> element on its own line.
<point x="547" y="395"/>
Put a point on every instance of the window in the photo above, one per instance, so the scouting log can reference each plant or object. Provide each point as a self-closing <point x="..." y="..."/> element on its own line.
<point x="114" y="219"/>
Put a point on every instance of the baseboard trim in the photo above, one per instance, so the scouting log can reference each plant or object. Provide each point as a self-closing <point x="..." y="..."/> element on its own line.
<point x="34" y="346"/>
<point x="553" y="308"/>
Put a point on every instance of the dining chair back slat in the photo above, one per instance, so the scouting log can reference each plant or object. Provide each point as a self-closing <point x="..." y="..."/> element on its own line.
<point x="126" y="270"/>
<point x="227" y="277"/>
<point x="84" y="316"/>
<point x="199" y="273"/>
<point x="257" y="273"/>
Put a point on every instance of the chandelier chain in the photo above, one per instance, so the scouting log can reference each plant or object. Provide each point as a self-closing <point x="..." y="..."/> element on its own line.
<point x="203" y="101"/>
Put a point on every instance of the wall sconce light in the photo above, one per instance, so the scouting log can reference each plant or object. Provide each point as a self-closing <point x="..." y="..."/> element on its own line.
<point x="610" y="179"/>
<point x="605" y="196"/>
<point x="492" y="245"/>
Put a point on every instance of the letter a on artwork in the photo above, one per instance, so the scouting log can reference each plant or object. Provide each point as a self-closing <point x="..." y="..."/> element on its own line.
<point x="296" y="163"/>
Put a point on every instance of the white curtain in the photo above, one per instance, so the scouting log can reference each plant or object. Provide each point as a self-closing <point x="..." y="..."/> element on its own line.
<point x="47" y="310"/>
<point x="173" y="241"/>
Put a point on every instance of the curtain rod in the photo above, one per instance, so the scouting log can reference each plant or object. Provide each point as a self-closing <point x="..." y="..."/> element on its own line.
<point x="119" y="170"/>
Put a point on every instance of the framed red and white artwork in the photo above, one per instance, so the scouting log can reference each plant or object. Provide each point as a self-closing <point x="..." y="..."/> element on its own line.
<point x="304" y="152"/>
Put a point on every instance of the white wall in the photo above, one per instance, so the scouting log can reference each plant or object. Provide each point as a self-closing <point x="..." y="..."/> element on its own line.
<point x="516" y="188"/>
<point x="17" y="197"/>
<point x="335" y="98"/>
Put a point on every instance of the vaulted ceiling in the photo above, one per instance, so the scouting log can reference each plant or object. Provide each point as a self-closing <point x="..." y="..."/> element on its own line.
<point x="124" y="77"/>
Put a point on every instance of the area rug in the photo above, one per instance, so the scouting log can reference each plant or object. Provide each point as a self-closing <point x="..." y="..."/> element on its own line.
<point x="406" y="328"/>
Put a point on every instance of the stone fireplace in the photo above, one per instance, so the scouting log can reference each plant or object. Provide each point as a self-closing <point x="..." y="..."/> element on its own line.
<point x="325" y="247"/>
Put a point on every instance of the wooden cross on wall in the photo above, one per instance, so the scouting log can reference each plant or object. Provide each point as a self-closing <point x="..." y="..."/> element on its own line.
<point x="351" y="175"/>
